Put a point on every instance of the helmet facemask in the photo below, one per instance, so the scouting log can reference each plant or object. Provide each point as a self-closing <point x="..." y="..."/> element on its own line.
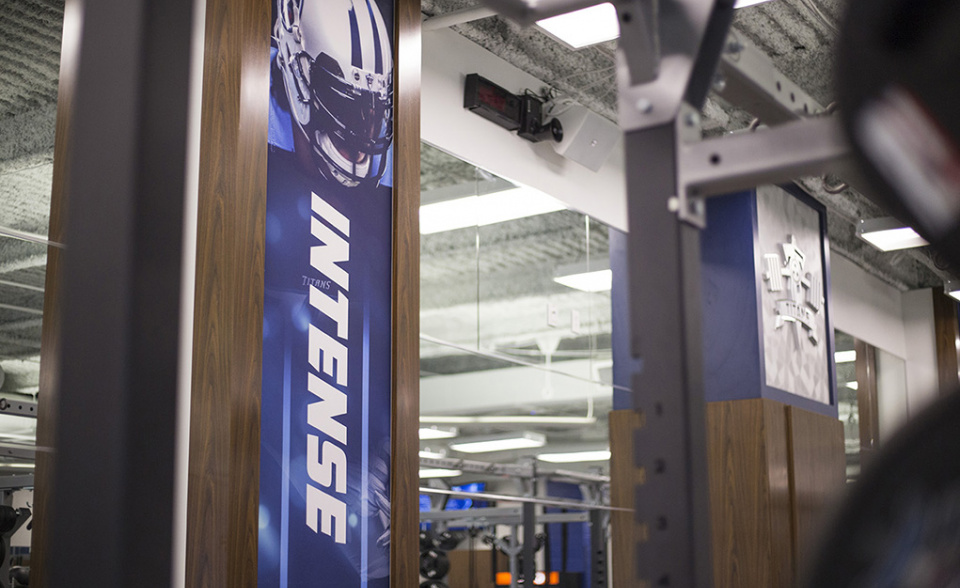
<point x="351" y="120"/>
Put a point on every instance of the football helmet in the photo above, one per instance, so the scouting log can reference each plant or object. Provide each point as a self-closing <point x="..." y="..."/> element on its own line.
<point x="337" y="66"/>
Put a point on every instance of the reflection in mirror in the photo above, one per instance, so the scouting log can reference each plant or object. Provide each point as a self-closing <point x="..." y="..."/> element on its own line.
<point x="515" y="315"/>
<point x="847" y="403"/>
<point x="871" y="397"/>
<point x="30" y="48"/>
<point x="516" y="375"/>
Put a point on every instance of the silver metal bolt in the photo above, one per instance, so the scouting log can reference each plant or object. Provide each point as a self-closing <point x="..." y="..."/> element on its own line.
<point x="733" y="46"/>
<point x="719" y="83"/>
<point x="691" y="119"/>
<point x="697" y="207"/>
<point x="644" y="105"/>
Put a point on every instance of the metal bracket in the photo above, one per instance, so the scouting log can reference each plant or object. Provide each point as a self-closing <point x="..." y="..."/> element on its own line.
<point x="752" y="82"/>
<point x="737" y="162"/>
<point x="18" y="451"/>
<point x="24" y="408"/>
<point x="15" y="482"/>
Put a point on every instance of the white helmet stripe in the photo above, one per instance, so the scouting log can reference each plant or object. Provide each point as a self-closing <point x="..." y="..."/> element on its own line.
<point x="377" y="47"/>
<point x="365" y="30"/>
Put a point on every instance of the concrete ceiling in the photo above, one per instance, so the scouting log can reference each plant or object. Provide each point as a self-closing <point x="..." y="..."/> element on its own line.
<point x="512" y="272"/>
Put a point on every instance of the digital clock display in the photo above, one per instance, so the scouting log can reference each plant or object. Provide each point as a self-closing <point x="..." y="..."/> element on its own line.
<point x="492" y="102"/>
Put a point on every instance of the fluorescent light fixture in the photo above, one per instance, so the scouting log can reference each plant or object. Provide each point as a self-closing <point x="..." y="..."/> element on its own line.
<point x="432" y="454"/>
<point x="853" y="385"/>
<point x="29" y="466"/>
<point x="509" y="420"/>
<point x="584" y="27"/>
<point x="845" y="356"/>
<point x="598" y="281"/>
<point x="952" y="289"/>
<point x="439" y="473"/>
<point x="575" y="456"/>
<point x="595" y="24"/>
<point x="889" y="234"/>
<point x="438" y="432"/>
<point x="502" y="442"/>
<point x="745" y="3"/>
<point x="488" y="209"/>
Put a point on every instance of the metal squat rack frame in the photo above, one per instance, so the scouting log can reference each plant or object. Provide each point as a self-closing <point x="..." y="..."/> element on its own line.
<point x="529" y="514"/>
<point x="671" y="54"/>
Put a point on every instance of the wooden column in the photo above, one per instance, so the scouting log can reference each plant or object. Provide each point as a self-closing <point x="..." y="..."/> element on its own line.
<point x="750" y="493"/>
<point x="50" y="333"/>
<point x="947" y="329"/>
<point x="223" y="480"/>
<point x="626" y="532"/>
<point x="404" y="512"/>
<point x="774" y="471"/>
<point x="817" y="477"/>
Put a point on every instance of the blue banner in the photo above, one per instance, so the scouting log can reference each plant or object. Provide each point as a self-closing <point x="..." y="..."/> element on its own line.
<point x="326" y="399"/>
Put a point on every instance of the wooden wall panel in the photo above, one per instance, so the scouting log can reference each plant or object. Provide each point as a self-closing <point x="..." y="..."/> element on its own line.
<point x="625" y="531"/>
<point x="749" y="493"/>
<point x="223" y="479"/>
<point x="947" y="330"/>
<point x="867" y="405"/>
<point x="50" y="333"/>
<point x="819" y="475"/>
<point x="404" y="525"/>
<point x="460" y="576"/>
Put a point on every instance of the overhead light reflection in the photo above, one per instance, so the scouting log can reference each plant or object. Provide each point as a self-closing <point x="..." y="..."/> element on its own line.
<point x="502" y="442"/>
<point x="845" y="356"/>
<point x="488" y="209"/>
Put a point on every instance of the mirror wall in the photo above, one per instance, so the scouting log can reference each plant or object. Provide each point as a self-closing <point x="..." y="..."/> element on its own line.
<point x="515" y="320"/>
<point x="871" y="398"/>
<point x="515" y="382"/>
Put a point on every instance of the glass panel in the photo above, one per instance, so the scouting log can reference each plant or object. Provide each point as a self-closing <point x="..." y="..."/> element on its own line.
<point x="480" y="395"/>
<point x="847" y="401"/>
<point x="22" y="274"/>
<point x="30" y="42"/>
<point x="891" y="393"/>
<point x="448" y="259"/>
<point x="506" y="348"/>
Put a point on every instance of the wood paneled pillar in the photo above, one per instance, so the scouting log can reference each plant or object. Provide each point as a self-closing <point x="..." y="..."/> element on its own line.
<point x="625" y="531"/>
<point x="774" y="471"/>
<point x="50" y="334"/>
<point x="404" y="495"/>
<point x="748" y="457"/>
<point x="223" y="479"/>
<point x="224" y="466"/>
<point x="947" y="329"/>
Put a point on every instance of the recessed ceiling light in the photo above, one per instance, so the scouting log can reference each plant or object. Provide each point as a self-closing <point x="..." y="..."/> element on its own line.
<point x="845" y="356"/>
<point x="439" y="473"/>
<point x="952" y="289"/>
<point x="488" y="209"/>
<point x="509" y="420"/>
<point x="575" y="456"/>
<point x="438" y="432"/>
<point x="889" y="234"/>
<point x="595" y="24"/>
<point x="502" y="442"/>
<point x="580" y="28"/>
<point x="745" y="3"/>
<point x="432" y="454"/>
<point x="598" y="281"/>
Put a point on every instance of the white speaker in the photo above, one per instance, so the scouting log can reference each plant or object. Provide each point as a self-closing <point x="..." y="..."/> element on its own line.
<point x="588" y="138"/>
